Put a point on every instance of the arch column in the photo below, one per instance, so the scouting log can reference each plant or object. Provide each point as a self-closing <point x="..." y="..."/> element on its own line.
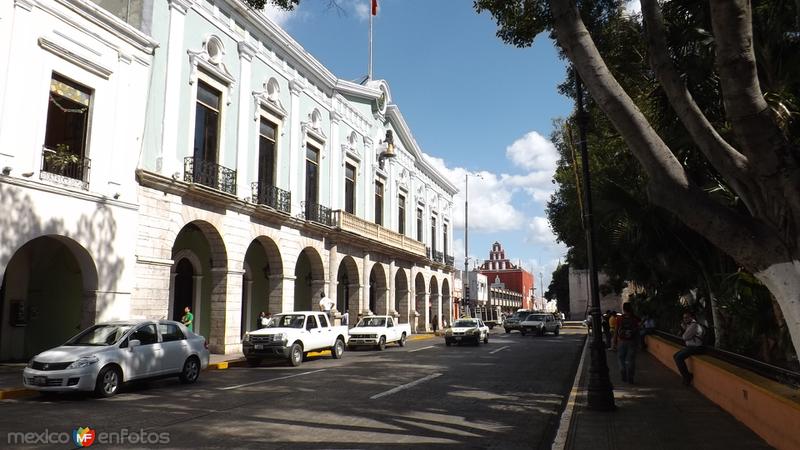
<point x="333" y="275"/>
<point x="287" y="293"/>
<point x="391" y="297"/>
<point x="362" y="308"/>
<point x="226" y="310"/>
<point x="277" y="288"/>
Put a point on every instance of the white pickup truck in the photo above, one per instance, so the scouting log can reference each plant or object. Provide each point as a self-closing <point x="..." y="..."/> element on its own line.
<point x="292" y="335"/>
<point x="377" y="331"/>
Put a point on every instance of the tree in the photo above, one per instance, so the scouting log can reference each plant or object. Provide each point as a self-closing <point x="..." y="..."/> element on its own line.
<point x="759" y="161"/>
<point x="558" y="288"/>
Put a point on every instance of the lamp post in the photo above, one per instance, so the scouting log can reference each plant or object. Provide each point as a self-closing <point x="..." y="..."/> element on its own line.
<point x="466" y="299"/>
<point x="600" y="390"/>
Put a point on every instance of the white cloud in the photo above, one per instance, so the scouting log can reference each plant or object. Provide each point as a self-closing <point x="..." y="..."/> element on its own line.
<point x="280" y="16"/>
<point x="540" y="231"/>
<point x="537" y="155"/>
<point x="633" y="7"/>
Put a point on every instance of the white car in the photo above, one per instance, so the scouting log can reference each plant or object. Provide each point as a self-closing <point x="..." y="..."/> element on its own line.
<point x="291" y="336"/>
<point x="377" y="331"/>
<point x="540" y="323"/>
<point x="104" y="356"/>
<point x="466" y="330"/>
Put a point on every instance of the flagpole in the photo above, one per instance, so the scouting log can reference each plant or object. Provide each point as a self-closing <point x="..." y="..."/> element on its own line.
<point x="369" y="70"/>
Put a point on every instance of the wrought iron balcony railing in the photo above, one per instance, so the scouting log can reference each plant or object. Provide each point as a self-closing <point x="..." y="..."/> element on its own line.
<point x="317" y="213"/>
<point x="65" y="168"/>
<point x="449" y="260"/>
<point x="213" y="175"/>
<point x="274" y="197"/>
<point x="370" y="230"/>
<point x="438" y="256"/>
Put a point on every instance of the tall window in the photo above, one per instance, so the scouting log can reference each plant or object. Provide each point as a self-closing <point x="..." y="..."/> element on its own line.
<point x="266" y="153"/>
<point x="67" y="128"/>
<point x="419" y="224"/>
<point x="206" y="124"/>
<point x="312" y="176"/>
<point x="433" y="234"/>
<point x="444" y="239"/>
<point x="378" y="202"/>
<point x="350" y="189"/>
<point x="401" y="214"/>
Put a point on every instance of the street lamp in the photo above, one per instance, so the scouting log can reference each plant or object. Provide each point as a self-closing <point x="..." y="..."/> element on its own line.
<point x="600" y="390"/>
<point x="466" y="236"/>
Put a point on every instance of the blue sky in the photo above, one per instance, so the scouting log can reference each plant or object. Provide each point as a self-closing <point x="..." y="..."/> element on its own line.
<point x="473" y="104"/>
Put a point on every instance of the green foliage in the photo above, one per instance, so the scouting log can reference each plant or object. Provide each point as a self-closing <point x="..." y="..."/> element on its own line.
<point x="558" y="288"/>
<point x="288" y="5"/>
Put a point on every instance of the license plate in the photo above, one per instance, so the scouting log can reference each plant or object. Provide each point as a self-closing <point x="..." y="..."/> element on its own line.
<point x="259" y="346"/>
<point x="40" y="381"/>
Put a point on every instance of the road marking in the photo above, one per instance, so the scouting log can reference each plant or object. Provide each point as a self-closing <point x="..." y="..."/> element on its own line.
<point x="227" y="388"/>
<point x="560" y="442"/>
<point x="418" y="349"/>
<point x="495" y="351"/>
<point x="405" y="386"/>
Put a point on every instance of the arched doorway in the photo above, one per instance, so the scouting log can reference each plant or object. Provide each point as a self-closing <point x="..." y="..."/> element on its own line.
<point x="420" y="307"/>
<point x="446" y="304"/>
<point x="199" y="247"/>
<point x="378" y="294"/>
<point x="347" y="288"/>
<point x="261" y="283"/>
<point x="401" y="295"/>
<point x="434" y="304"/>
<point x="309" y="280"/>
<point x="48" y="295"/>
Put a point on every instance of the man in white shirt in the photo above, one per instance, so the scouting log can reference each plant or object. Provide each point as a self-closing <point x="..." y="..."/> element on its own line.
<point x="693" y="337"/>
<point x="346" y="317"/>
<point x="326" y="305"/>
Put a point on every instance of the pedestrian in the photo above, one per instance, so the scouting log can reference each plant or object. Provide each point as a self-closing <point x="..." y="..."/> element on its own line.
<point x="612" y="326"/>
<point x="346" y="317"/>
<point x="648" y="327"/>
<point x="626" y="340"/>
<point x="693" y="337"/>
<point x="188" y="319"/>
<point x="326" y="305"/>
<point x="263" y="320"/>
<point x="606" y="329"/>
<point x="435" y="323"/>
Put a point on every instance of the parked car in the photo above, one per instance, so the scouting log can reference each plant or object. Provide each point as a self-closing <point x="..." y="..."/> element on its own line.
<point x="377" y="331"/>
<point x="291" y="336"/>
<point x="466" y="330"/>
<point x="512" y="322"/>
<point x="540" y="323"/>
<point x="104" y="356"/>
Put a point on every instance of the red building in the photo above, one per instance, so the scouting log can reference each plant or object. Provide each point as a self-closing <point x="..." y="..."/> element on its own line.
<point x="515" y="278"/>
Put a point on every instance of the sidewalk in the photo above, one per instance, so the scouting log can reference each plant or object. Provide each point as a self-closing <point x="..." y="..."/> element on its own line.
<point x="658" y="412"/>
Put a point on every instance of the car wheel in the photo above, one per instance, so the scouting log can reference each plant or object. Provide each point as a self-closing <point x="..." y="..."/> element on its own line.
<point x="253" y="362"/>
<point x="556" y="332"/>
<point x="522" y="332"/>
<point x="191" y="370"/>
<point x="108" y="382"/>
<point x="402" y="340"/>
<point x="382" y="343"/>
<point x="486" y="339"/>
<point x="508" y="331"/>
<point x="296" y="354"/>
<point x="338" y="349"/>
<point x="541" y="331"/>
<point x="448" y="343"/>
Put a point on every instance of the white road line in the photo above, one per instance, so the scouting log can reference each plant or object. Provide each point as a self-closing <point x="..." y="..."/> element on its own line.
<point x="495" y="351"/>
<point x="405" y="386"/>
<point x="418" y="349"/>
<point x="560" y="441"/>
<point x="227" y="388"/>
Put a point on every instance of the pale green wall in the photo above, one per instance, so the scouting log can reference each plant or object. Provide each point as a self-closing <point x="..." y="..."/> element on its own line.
<point x="155" y="104"/>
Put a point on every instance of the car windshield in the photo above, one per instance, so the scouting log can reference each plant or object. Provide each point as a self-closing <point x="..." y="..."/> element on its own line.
<point x="287" y="321"/>
<point x="537" y="317"/>
<point x="465" y="323"/>
<point x="100" y="335"/>
<point x="372" y="322"/>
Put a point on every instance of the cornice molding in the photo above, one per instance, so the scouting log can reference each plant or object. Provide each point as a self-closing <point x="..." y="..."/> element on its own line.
<point x="79" y="60"/>
<point x="181" y="6"/>
<point x="247" y="50"/>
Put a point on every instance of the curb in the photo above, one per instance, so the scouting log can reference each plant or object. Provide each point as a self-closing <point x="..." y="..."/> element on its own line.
<point x="562" y="433"/>
<point x="12" y="393"/>
<point x="420" y="337"/>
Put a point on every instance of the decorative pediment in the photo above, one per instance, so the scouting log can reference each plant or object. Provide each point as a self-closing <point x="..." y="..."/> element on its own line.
<point x="209" y="58"/>
<point x="350" y="148"/>
<point x="313" y="127"/>
<point x="269" y="99"/>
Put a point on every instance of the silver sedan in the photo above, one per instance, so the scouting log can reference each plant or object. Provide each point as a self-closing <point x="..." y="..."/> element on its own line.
<point x="104" y="356"/>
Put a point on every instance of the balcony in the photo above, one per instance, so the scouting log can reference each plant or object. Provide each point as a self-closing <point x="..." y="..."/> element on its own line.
<point x="428" y="252"/>
<point x="65" y="168"/>
<point x="449" y="260"/>
<point x="370" y="230"/>
<point x="318" y="213"/>
<point x="438" y="256"/>
<point x="265" y="194"/>
<point x="213" y="175"/>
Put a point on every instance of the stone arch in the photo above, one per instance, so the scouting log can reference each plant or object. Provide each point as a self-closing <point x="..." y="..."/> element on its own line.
<point x="401" y="295"/>
<point x="309" y="282"/>
<point x="48" y="293"/>
<point x="447" y="305"/>
<point x="420" y="303"/>
<point x="348" y="287"/>
<point x="268" y="276"/>
<point x="434" y="304"/>
<point x="378" y="290"/>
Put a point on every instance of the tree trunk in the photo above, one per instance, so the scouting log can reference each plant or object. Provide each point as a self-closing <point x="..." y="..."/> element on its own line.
<point x="783" y="281"/>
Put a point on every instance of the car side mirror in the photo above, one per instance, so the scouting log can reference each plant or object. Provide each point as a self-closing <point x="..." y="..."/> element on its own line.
<point x="134" y="343"/>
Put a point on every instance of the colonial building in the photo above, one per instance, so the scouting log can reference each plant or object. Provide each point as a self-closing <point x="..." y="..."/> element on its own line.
<point x="498" y="268"/>
<point x="231" y="172"/>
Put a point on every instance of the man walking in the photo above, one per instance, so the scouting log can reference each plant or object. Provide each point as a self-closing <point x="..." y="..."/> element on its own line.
<point x="693" y="337"/>
<point x="188" y="318"/>
<point x="626" y="340"/>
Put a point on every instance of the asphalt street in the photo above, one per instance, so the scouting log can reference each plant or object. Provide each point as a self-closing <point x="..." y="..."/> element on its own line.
<point x="504" y="394"/>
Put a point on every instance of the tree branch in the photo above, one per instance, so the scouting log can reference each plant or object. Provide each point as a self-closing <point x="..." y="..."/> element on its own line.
<point x="731" y="164"/>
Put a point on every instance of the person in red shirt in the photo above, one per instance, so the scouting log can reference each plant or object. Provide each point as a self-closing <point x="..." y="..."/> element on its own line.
<point x="626" y="339"/>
